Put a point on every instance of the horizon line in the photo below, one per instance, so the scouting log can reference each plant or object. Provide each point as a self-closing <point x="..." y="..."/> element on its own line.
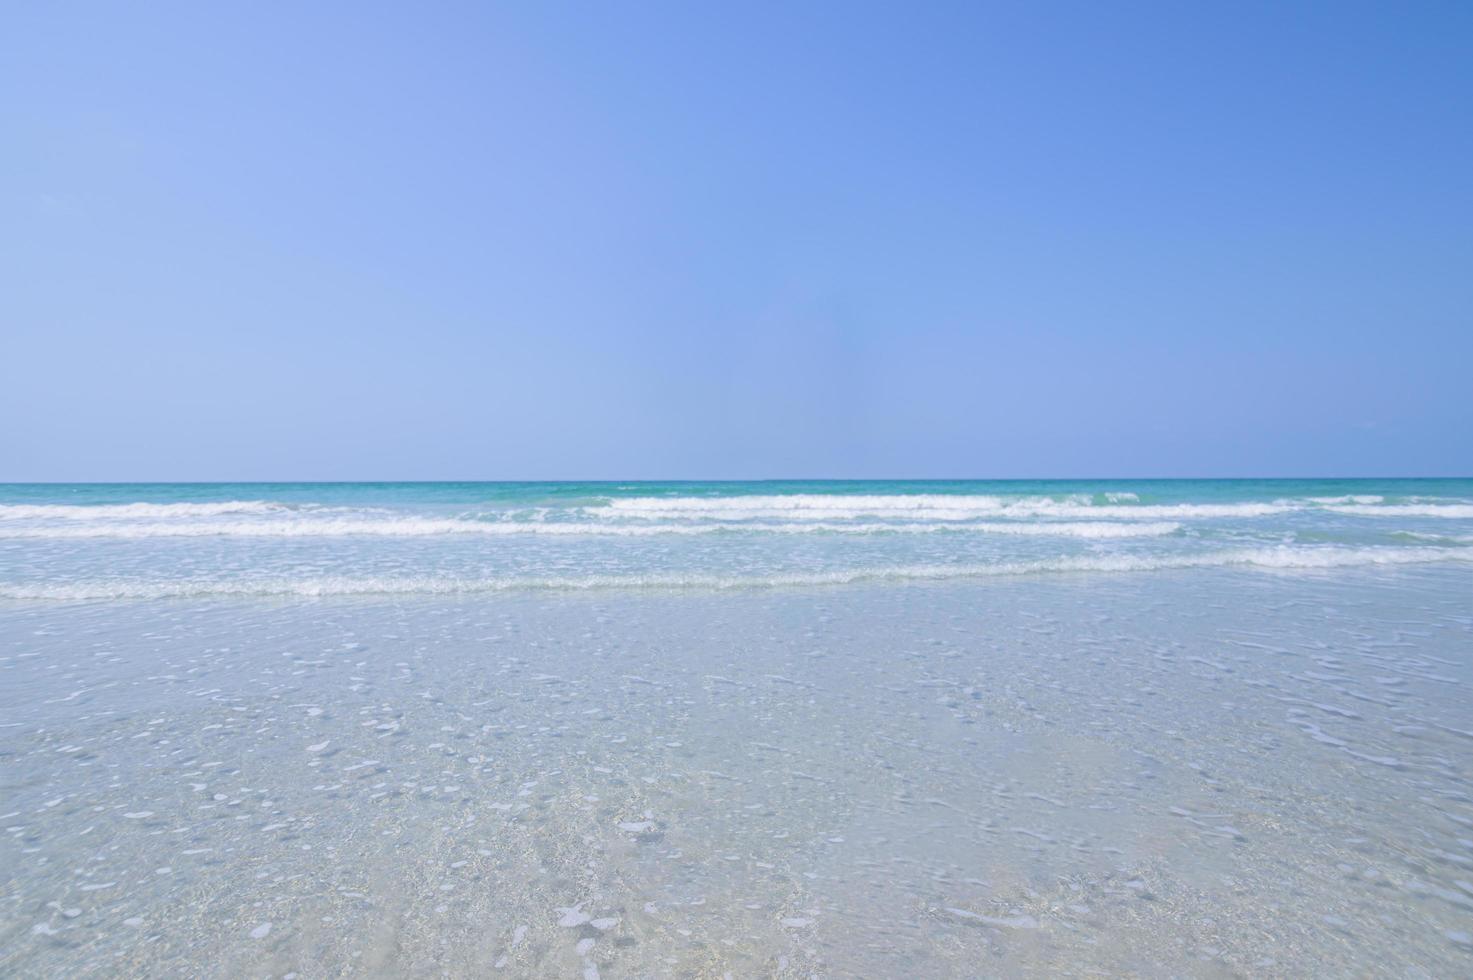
<point x="763" y="479"/>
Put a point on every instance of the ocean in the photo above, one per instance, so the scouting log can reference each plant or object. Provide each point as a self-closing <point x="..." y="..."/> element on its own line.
<point x="158" y="541"/>
<point x="788" y="728"/>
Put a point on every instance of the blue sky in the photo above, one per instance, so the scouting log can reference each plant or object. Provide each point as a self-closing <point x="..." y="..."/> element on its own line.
<point x="440" y="240"/>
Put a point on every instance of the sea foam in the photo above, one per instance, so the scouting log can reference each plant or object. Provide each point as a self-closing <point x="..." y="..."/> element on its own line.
<point x="940" y="507"/>
<point x="101" y="512"/>
<point x="420" y="527"/>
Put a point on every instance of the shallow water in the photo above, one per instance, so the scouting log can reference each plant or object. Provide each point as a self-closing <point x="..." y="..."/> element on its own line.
<point x="1201" y="772"/>
<point x="75" y="542"/>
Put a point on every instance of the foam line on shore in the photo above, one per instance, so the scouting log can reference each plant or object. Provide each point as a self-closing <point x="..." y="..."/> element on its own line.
<point x="1280" y="558"/>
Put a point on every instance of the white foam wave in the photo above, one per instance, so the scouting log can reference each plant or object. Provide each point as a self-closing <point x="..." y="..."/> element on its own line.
<point x="755" y="507"/>
<point x="423" y="527"/>
<point x="100" y="512"/>
<point x="1440" y="538"/>
<point x="1280" y="558"/>
<point x="1452" y="511"/>
<point x="936" y="507"/>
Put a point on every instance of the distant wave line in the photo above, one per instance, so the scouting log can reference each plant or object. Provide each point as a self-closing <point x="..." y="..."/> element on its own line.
<point x="961" y="507"/>
<point x="94" y="512"/>
<point x="779" y="507"/>
<point x="425" y="527"/>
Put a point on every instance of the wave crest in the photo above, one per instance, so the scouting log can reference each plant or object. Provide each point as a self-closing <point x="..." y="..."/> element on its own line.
<point x="102" y="512"/>
<point x="425" y="527"/>
<point x="936" y="507"/>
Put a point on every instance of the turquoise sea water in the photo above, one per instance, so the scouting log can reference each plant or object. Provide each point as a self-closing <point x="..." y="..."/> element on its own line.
<point x="106" y="541"/>
<point x="1142" y="728"/>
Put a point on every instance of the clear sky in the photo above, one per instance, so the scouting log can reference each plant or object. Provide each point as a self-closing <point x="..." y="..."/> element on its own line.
<point x="554" y="240"/>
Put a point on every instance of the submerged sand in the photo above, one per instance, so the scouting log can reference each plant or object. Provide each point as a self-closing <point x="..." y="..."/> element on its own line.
<point x="1202" y="773"/>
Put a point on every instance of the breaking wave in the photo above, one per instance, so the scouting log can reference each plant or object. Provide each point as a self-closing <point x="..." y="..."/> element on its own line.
<point x="935" y="507"/>
<point x="104" y="512"/>
<point x="424" y="527"/>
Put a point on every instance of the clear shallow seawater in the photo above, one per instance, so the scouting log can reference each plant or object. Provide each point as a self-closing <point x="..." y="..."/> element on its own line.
<point x="139" y="541"/>
<point x="1154" y="728"/>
